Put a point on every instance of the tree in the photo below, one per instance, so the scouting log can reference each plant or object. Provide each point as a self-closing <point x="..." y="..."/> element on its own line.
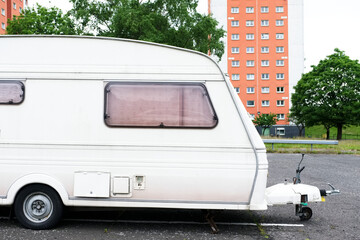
<point x="265" y="121"/>
<point x="42" y="20"/>
<point x="329" y="94"/>
<point x="172" y="22"/>
<point x="298" y="120"/>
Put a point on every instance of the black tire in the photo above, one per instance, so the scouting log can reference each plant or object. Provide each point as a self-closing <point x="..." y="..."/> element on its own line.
<point x="307" y="214"/>
<point x="38" y="207"/>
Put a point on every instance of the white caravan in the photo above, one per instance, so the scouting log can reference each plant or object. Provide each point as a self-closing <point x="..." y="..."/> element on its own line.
<point x="105" y="122"/>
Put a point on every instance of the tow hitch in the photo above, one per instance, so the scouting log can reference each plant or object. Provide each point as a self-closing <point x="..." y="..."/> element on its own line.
<point x="298" y="194"/>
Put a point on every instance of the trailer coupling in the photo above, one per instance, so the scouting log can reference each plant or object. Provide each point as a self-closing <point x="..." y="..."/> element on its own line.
<point x="332" y="191"/>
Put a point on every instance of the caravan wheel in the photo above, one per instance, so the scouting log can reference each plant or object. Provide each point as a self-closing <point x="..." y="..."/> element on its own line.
<point x="38" y="207"/>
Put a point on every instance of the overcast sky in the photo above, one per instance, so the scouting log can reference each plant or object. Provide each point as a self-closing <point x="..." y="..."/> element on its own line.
<point x="329" y="24"/>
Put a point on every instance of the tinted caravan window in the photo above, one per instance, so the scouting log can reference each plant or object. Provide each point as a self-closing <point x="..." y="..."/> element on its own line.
<point x="11" y="92"/>
<point x="158" y="105"/>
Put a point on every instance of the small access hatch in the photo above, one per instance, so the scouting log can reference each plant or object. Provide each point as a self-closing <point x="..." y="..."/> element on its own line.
<point x="121" y="185"/>
<point x="92" y="184"/>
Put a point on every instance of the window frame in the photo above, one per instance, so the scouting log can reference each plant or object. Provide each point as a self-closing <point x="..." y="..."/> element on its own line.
<point x="247" y="103"/>
<point x="235" y="61"/>
<point x="264" y="9"/>
<point x="280" y="63"/>
<point x="280" y="36"/>
<point x="249" y="10"/>
<point x="250" y="63"/>
<point x="280" y="89"/>
<point x="250" y="50"/>
<point x="233" y="38"/>
<point x="263" y="88"/>
<point x="279" y="9"/>
<point x="233" y="23"/>
<point x="279" y="22"/>
<point x="250" y="90"/>
<point x="265" y="36"/>
<point x="268" y="49"/>
<point x="235" y="50"/>
<point x="264" y="23"/>
<point x="106" y="91"/>
<point x="265" y="101"/>
<point x="248" y="35"/>
<point x="280" y="48"/>
<point x="22" y="86"/>
<point x="265" y="61"/>
<point x="234" y="10"/>
<point x="237" y="78"/>
<point x="263" y="78"/>
<point x="280" y="103"/>
<point x="252" y="76"/>
<point x="250" y="23"/>
<point x="278" y="76"/>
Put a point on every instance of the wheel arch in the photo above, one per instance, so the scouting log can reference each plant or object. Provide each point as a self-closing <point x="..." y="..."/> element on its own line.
<point x="33" y="179"/>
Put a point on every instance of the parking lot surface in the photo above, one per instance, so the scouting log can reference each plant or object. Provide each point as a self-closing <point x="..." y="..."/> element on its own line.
<point x="337" y="218"/>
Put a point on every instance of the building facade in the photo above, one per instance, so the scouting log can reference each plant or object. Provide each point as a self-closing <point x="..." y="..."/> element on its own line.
<point x="10" y="8"/>
<point x="264" y="51"/>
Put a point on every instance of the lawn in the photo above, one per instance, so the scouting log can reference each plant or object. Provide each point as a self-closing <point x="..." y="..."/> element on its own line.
<point x="319" y="132"/>
<point x="350" y="132"/>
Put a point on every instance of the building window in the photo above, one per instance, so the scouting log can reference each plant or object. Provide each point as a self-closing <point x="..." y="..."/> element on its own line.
<point x="250" y="63"/>
<point x="250" y="50"/>
<point x="249" y="23"/>
<point x="264" y="49"/>
<point x="237" y="89"/>
<point x="280" y="63"/>
<point x="20" y="10"/>
<point x="234" y="36"/>
<point x="249" y="10"/>
<point x="279" y="9"/>
<point x="265" y="36"/>
<point x="234" y="50"/>
<point x="280" y="103"/>
<point x="234" y="10"/>
<point x="235" y="77"/>
<point x="265" y="63"/>
<point x="279" y="22"/>
<point x="3" y="12"/>
<point x="250" y="90"/>
<point x="3" y="26"/>
<point x="252" y="116"/>
<point x="250" y="76"/>
<point x="265" y="90"/>
<point x="264" y="9"/>
<point x="158" y="105"/>
<point x="281" y="116"/>
<point x="279" y="49"/>
<point x="279" y="36"/>
<point x="11" y="92"/>
<point x="264" y="23"/>
<point x="14" y="6"/>
<point x="280" y="76"/>
<point x="250" y="36"/>
<point x="265" y="103"/>
<point x="250" y="103"/>
<point x="280" y="131"/>
<point x="235" y="23"/>
<point x="235" y="63"/>
<point x="265" y="76"/>
<point x="280" y="89"/>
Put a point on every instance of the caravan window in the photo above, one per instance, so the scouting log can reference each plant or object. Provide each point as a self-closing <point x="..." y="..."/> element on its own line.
<point x="11" y="92"/>
<point x="158" y="105"/>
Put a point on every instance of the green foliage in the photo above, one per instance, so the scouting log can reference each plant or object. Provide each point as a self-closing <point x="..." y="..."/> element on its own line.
<point x="172" y="22"/>
<point x="265" y="121"/>
<point x="329" y="95"/>
<point x="42" y="20"/>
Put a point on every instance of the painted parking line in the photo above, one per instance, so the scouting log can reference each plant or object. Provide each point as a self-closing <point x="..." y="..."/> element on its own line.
<point x="187" y="222"/>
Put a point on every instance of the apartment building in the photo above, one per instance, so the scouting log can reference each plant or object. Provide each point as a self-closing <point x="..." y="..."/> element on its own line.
<point x="264" y="51"/>
<point x="10" y="8"/>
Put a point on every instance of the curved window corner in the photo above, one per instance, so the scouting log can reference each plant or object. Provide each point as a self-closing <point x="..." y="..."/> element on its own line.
<point x="11" y="92"/>
<point x="158" y="105"/>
